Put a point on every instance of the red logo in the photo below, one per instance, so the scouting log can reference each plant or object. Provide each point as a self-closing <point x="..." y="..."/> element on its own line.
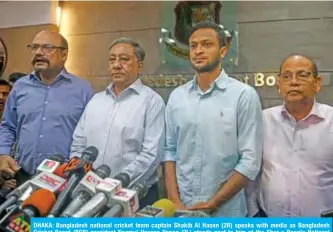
<point x="49" y="164"/>
<point x="122" y="194"/>
<point x="50" y="180"/>
<point x="91" y="179"/>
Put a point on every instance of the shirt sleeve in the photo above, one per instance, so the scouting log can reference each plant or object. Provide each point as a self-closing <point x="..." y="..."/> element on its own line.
<point x="88" y="94"/>
<point x="8" y="124"/>
<point x="146" y="163"/>
<point x="170" y="145"/>
<point x="79" y="138"/>
<point x="250" y="134"/>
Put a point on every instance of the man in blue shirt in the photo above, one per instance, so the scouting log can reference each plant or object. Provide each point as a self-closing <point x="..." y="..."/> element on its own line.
<point x="213" y="133"/>
<point x="43" y="108"/>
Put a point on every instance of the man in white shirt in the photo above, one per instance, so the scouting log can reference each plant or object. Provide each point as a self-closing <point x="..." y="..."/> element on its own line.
<point x="125" y="122"/>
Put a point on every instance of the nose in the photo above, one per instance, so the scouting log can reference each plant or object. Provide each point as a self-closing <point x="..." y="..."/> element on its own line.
<point x="198" y="50"/>
<point x="39" y="51"/>
<point x="116" y="64"/>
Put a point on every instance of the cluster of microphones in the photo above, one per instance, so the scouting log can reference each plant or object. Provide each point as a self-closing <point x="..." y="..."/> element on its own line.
<point x="77" y="189"/>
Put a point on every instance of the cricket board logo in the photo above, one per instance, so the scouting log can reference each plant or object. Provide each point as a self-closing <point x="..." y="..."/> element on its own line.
<point x="188" y="14"/>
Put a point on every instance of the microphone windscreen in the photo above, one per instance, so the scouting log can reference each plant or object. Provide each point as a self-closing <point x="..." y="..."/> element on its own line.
<point x="42" y="200"/>
<point x="60" y="171"/>
<point x="166" y="205"/>
<point x="90" y="154"/>
<point x="124" y="178"/>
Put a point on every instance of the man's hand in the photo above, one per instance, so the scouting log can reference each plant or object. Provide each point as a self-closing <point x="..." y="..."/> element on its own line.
<point x="179" y="206"/>
<point x="8" y="166"/>
<point x="203" y="206"/>
<point x="10" y="184"/>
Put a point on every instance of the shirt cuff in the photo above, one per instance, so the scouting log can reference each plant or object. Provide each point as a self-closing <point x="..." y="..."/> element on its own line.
<point x="5" y="150"/>
<point x="249" y="172"/>
<point x="168" y="156"/>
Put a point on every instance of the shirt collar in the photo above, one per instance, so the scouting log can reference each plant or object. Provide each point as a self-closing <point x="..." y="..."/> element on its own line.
<point x="63" y="74"/>
<point x="316" y="111"/>
<point x="221" y="81"/>
<point x="136" y="86"/>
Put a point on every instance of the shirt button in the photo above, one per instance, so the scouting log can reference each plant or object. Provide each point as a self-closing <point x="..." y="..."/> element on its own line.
<point x="45" y="102"/>
<point x="44" y="118"/>
<point x="48" y="86"/>
<point x="41" y="136"/>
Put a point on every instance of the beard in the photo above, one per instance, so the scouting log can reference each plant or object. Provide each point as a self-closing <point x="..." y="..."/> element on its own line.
<point x="208" y="67"/>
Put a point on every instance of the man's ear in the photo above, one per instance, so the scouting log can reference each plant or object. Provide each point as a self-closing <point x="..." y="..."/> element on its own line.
<point x="140" y="63"/>
<point x="318" y="83"/>
<point x="64" y="54"/>
<point x="223" y="51"/>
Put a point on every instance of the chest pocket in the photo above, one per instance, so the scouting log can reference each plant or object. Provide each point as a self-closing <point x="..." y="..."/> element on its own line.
<point x="222" y="119"/>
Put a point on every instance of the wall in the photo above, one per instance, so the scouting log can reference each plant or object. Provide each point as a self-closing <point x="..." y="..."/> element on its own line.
<point x="18" y="28"/>
<point x="268" y="31"/>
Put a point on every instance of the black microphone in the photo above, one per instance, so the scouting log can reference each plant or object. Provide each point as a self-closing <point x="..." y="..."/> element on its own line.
<point x="77" y="168"/>
<point x="124" y="179"/>
<point x="86" y="189"/>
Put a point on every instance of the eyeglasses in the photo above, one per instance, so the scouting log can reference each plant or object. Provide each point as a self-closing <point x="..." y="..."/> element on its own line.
<point x="45" y="48"/>
<point x="301" y="75"/>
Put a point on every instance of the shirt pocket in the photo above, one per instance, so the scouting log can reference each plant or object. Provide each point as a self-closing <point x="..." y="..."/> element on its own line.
<point x="133" y="137"/>
<point x="222" y="120"/>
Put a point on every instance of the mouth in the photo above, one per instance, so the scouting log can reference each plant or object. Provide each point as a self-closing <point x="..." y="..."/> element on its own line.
<point x="294" y="92"/>
<point x="198" y="60"/>
<point x="40" y="61"/>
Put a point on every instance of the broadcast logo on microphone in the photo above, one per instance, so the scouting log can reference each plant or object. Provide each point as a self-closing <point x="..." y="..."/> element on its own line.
<point x="48" y="166"/>
<point x="49" y="181"/>
<point x="75" y="162"/>
<point x="18" y="223"/>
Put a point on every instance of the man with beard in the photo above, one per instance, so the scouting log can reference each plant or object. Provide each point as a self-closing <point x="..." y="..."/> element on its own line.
<point x="213" y="133"/>
<point x="43" y="107"/>
<point x="5" y="88"/>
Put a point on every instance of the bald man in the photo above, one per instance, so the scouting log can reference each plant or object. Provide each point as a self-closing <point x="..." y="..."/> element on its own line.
<point x="43" y="107"/>
<point x="297" y="169"/>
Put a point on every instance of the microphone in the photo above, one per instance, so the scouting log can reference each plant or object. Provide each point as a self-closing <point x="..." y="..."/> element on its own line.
<point x="48" y="165"/>
<point x="327" y="213"/>
<point x="42" y="180"/>
<point x="85" y="189"/>
<point x="37" y="205"/>
<point x="124" y="178"/>
<point x="161" y="208"/>
<point x="124" y="205"/>
<point x="75" y="169"/>
<point x="104" y="192"/>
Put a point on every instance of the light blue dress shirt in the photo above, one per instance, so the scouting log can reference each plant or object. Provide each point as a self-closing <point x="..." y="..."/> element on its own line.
<point x="211" y="134"/>
<point x="42" y="117"/>
<point x="128" y="130"/>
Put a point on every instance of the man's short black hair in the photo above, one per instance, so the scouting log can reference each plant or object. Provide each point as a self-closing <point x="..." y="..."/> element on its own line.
<point x="217" y="28"/>
<point x="15" y="76"/>
<point x="313" y="63"/>
<point x="4" y="82"/>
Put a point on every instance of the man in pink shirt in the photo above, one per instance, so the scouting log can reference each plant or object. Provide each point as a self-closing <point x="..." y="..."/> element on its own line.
<point x="297" y="169"/>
